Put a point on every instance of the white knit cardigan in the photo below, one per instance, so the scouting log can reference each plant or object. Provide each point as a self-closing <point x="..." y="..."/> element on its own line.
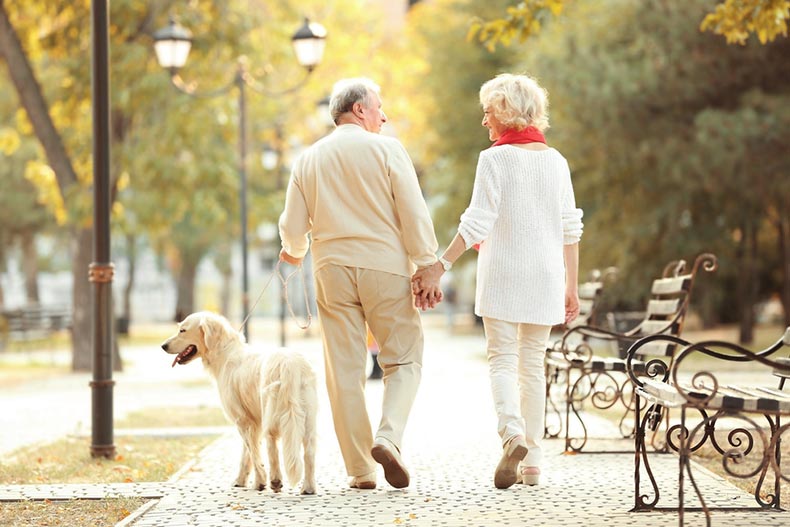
<point x="523" y="210"/>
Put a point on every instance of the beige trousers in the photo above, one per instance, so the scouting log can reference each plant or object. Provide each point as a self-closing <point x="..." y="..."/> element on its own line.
<point x="348" y="297"/>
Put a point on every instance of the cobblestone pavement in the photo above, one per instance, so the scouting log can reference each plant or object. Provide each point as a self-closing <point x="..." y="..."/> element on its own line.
<point x="451" y="449"/>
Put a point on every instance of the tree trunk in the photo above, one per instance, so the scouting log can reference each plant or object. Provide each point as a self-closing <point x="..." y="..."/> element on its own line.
<point x="747" y="282"/>
<point x="783" y="231"/>
<point x="224" y="295"/>
<point x="32" y="99"/>
<point x="82" y="329"/>
<point x="30" y="267"/>
<point x="126" y="308"/>
<point x="185" y="302"/>
<point x="82" y="308"/>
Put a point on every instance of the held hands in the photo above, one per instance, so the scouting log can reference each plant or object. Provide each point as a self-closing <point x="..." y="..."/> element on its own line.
<point x="425" y="286"/>
<point x="287" y="258"/>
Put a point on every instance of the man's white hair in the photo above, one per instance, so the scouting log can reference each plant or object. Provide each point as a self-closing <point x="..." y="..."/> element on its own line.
<point x="347" y="92"/>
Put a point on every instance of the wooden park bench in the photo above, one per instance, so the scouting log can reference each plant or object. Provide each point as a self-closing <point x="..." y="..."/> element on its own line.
<point x="590" y="294"/>
<point x="594" y="378"/>
<point x="740" y="423"/>
<point x="32" y="323"/>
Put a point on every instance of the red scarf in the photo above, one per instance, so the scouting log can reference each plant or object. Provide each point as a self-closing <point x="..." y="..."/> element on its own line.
<point x="511" y="136"/>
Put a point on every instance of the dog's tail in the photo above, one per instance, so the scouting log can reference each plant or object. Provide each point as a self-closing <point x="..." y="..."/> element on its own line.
<point x="290" y="407"/>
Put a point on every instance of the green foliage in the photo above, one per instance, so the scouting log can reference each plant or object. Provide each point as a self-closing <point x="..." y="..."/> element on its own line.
<point x="736" y="20"/>
<point x="676" y="140"/>
<point x="447" y="97"/>
<point x="175" y="159"/>
<point x="519" y="23"/>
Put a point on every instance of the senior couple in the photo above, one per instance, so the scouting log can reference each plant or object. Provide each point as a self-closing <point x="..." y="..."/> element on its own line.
<point x="355" y="194"/>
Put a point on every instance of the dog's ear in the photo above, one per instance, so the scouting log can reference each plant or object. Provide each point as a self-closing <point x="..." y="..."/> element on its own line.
<point x="214" y="330"/>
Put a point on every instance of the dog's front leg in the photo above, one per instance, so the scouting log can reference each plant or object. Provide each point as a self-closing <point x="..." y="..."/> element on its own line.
<point x="274" y="462"/>
<point x="244" y="467"/>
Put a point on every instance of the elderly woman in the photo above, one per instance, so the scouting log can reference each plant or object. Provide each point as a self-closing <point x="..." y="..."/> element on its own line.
<point x="524" y="220"/>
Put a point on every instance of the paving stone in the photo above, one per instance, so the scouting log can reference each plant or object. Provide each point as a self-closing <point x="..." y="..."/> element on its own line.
<point x="451" y="448"/>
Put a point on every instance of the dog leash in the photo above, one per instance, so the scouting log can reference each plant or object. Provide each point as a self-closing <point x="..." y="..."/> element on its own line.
<point x="284" y="281"/>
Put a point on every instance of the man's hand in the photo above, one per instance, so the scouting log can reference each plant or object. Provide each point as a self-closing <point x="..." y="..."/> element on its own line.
<point x="287" y="258"/>
<point x="425" y="286"/>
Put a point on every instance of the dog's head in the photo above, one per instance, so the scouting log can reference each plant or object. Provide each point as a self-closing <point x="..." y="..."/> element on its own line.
<point x="203" y="334"/>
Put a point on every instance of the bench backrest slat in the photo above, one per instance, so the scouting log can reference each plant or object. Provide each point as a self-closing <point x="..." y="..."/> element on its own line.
<point x="671" y="286"/>
<point x="663" y="308"/>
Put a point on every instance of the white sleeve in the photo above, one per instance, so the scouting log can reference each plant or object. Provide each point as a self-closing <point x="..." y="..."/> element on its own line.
<point x="478" y="219"/>
<point x="572" y="225"/>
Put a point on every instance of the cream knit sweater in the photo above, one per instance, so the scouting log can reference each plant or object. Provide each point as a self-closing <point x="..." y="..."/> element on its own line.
<point x="357" y="194"/>
<point x="524" y="211"/>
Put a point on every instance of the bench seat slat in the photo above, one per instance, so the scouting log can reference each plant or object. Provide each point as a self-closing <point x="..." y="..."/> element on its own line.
<point x="589" y="290"/>
<point x="585" y="306"/>
<point x="656" y="348"/>
<point x="784" y="361"/>
<point x="727" y="397"/>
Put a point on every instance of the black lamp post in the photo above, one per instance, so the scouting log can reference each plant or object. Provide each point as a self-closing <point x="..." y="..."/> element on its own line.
<point x="100" y="272"/>
<point x="172" y="45"/>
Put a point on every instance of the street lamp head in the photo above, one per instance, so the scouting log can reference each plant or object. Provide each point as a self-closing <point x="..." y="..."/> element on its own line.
<point x="309" y="41"/>
<point x="269" y="157"/>
<point x="172" y="45"/>
<point x="324" y="115"/>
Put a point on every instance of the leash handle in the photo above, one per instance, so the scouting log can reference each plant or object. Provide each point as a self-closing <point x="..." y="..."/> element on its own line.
<point x="284" y="281"/>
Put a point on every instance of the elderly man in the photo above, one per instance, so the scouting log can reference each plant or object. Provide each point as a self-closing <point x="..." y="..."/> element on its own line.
<point x="357" y="193"/>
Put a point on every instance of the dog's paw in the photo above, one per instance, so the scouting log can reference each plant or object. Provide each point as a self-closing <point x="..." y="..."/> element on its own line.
<point x="277" y="485"/>
<point x="262" y="486"/>
<point x="308" y="491"/>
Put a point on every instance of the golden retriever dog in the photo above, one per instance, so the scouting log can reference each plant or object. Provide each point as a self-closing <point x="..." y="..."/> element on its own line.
<point x="271" y="395"/>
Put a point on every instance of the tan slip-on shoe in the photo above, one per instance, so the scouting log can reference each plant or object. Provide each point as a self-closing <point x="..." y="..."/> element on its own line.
<point x="364" y="482"/>
<point x="507" y="470"/>
<point x="387" y="455"/>
<point x="529" y="475"/>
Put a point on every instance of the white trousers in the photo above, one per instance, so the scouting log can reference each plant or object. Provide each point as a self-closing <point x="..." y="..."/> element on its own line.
<point x="518" y="381"/>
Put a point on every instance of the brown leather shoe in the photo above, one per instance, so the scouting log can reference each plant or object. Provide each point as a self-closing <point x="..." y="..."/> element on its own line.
<point x="506" y="471"/>
<point x="387" y="455"/>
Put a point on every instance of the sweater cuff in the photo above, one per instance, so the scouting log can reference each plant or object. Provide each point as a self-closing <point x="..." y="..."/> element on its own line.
<point x="572" y="226"/>
<point x="476" y="225"/>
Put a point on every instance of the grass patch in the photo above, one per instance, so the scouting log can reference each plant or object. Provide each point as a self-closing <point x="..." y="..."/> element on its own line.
<point x="68" y="460"/>
<point x="82" y="513"/>
<point x="11" y="374"/>
<point x="173" y="417"/>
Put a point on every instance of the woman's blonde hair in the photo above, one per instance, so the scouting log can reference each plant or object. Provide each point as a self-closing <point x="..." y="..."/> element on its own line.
<point x="517" y="101"/>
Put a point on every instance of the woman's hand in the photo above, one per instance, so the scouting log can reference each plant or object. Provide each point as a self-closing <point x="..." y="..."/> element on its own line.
<point x="571" y="305"/>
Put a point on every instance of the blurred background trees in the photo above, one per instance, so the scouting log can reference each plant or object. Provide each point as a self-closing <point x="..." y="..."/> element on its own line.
<point x="676" y="139"/>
